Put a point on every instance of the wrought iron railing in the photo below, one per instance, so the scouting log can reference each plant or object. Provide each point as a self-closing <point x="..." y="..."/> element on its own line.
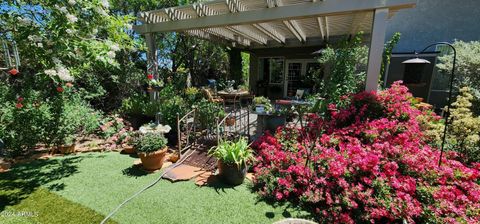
<point x="186" y="131"/>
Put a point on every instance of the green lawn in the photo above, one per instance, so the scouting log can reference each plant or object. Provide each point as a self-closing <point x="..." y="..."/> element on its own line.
<point x="85" y="188"/>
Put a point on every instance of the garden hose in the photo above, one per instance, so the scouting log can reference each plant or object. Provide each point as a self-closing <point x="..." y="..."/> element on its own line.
<point x="187" y="154"/>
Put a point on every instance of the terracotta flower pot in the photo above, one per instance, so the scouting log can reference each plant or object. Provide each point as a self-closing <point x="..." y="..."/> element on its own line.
<point x="230" y="121"/>
<point x="128" y="149"/>
<point x="231" y="173"/>
<point x="66" y="149"/>
<point x="154" y="160"/>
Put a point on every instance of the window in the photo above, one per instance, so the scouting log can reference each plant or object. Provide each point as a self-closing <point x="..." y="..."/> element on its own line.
<point x="276" y="70"/>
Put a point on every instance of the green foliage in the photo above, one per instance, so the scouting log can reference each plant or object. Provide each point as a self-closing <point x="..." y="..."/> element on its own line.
<point x="387" y="53"/>
<point x="346" y="62"/>
<point x="467" y="72"/>
<point x="76" y="118"/>
<point x="139" y="104"/>
<point x="208" y="113"/>
<point x="110" y="125"/>
<point x="230" y="152"/>
<point x="21" y="128"/>
<point x="192" y="95"/>
<point x="260" y="100"/>
<point x="463" y="133"/>
<point x="245" y="70"/>
<point x="150" y="142"/>
<point x="464" y="130"/>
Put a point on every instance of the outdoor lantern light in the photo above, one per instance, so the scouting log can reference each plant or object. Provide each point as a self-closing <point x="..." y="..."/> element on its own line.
<point x="423" y="61"/>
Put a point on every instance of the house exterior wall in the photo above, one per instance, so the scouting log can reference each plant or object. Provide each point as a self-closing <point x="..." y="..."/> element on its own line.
<point x="435" y="20"/>
<point x="429" y="22"/>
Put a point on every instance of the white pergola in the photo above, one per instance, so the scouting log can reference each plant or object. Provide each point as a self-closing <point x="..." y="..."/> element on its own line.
<point x="253" y="24"/>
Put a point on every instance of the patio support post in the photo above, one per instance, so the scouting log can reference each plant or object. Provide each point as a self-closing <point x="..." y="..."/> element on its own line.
<point x="152" y="59"/>
<point x="376" y="48"/>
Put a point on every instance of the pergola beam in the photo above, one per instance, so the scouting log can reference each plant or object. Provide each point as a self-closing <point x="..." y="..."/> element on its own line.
<point x="292" y="25"/>
<point x="203" y="10"/>
<point x="290" y="12"/>
<point x="176" y="15"/>
<point x="238" y="6"/>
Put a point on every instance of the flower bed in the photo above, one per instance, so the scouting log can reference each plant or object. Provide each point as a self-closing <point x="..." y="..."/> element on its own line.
<point x="368" y="162"/>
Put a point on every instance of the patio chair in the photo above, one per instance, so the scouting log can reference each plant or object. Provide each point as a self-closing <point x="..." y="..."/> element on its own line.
<point x="208" y="94"/>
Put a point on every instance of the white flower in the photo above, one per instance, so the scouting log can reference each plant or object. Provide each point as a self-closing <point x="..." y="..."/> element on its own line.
<point x="114" y="47"/>
<point x="111" y="54"/>
<point x="50" y="72"/>
<point x="72" y="18"/>
<point x="69" y="31"/>
<point x="56" y="61"/>
<point x="72" y="2"/>
<point x="40" y="45"/>
<point x="101" y="11"/>
<point x="105" y="4"/>
<point x="62" y="9"/>
<point x="24" y="21"/>
<point x="64" y="74"/>
<point x="34" y="38"/>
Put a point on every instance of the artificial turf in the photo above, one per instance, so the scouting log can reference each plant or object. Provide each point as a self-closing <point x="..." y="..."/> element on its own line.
<point x="88" y="186"/>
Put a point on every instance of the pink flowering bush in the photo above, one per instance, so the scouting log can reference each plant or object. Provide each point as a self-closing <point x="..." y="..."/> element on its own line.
<point x="367" y="162"/>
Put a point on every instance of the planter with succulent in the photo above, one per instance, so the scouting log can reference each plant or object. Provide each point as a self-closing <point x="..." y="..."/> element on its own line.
<point x="151" y="148"/>
<point x="232" y="160"/>
<point x="262" y="105"/>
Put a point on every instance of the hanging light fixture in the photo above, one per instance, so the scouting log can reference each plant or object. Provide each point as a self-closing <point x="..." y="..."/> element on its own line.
<point x="449" y="99"/>
<point x="416" y="60"/>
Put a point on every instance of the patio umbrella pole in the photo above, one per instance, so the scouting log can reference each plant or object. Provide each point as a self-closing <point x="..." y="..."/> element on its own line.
<point x="188" y="154"/>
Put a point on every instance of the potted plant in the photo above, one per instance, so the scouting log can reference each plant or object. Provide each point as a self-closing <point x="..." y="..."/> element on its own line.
<point x="151" y="148"/>
<point x="232" y="160"/>
<point x="262" y="105"/>
<point x="230" y="120"/>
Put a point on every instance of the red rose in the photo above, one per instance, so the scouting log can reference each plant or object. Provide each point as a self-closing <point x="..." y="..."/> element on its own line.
<point x="150" y="76"/>
<point x="20" y="99"/>
<point x="59" y="89"/>
<point x="18" y="105"/>
<point x="13" y="71"/>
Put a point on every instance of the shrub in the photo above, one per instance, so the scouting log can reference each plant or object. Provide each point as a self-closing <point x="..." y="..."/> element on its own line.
<point x="150" y="142"/>
<point x="208" y="113"/>
<point x="368" y="162"/>
<point x="463" y="134"/>
<point x="170" y="108"/>
<point x="23" y="123"/>
<point x="467" y="67"/>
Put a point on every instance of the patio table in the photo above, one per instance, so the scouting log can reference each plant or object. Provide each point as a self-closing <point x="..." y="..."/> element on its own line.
<point x="235" y="96"/>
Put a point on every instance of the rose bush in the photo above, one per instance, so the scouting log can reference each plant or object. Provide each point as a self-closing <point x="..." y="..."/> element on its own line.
<point x="367" y="162"/>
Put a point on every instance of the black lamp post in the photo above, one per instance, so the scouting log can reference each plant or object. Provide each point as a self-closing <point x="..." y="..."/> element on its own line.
<point x="423" y="61"/>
